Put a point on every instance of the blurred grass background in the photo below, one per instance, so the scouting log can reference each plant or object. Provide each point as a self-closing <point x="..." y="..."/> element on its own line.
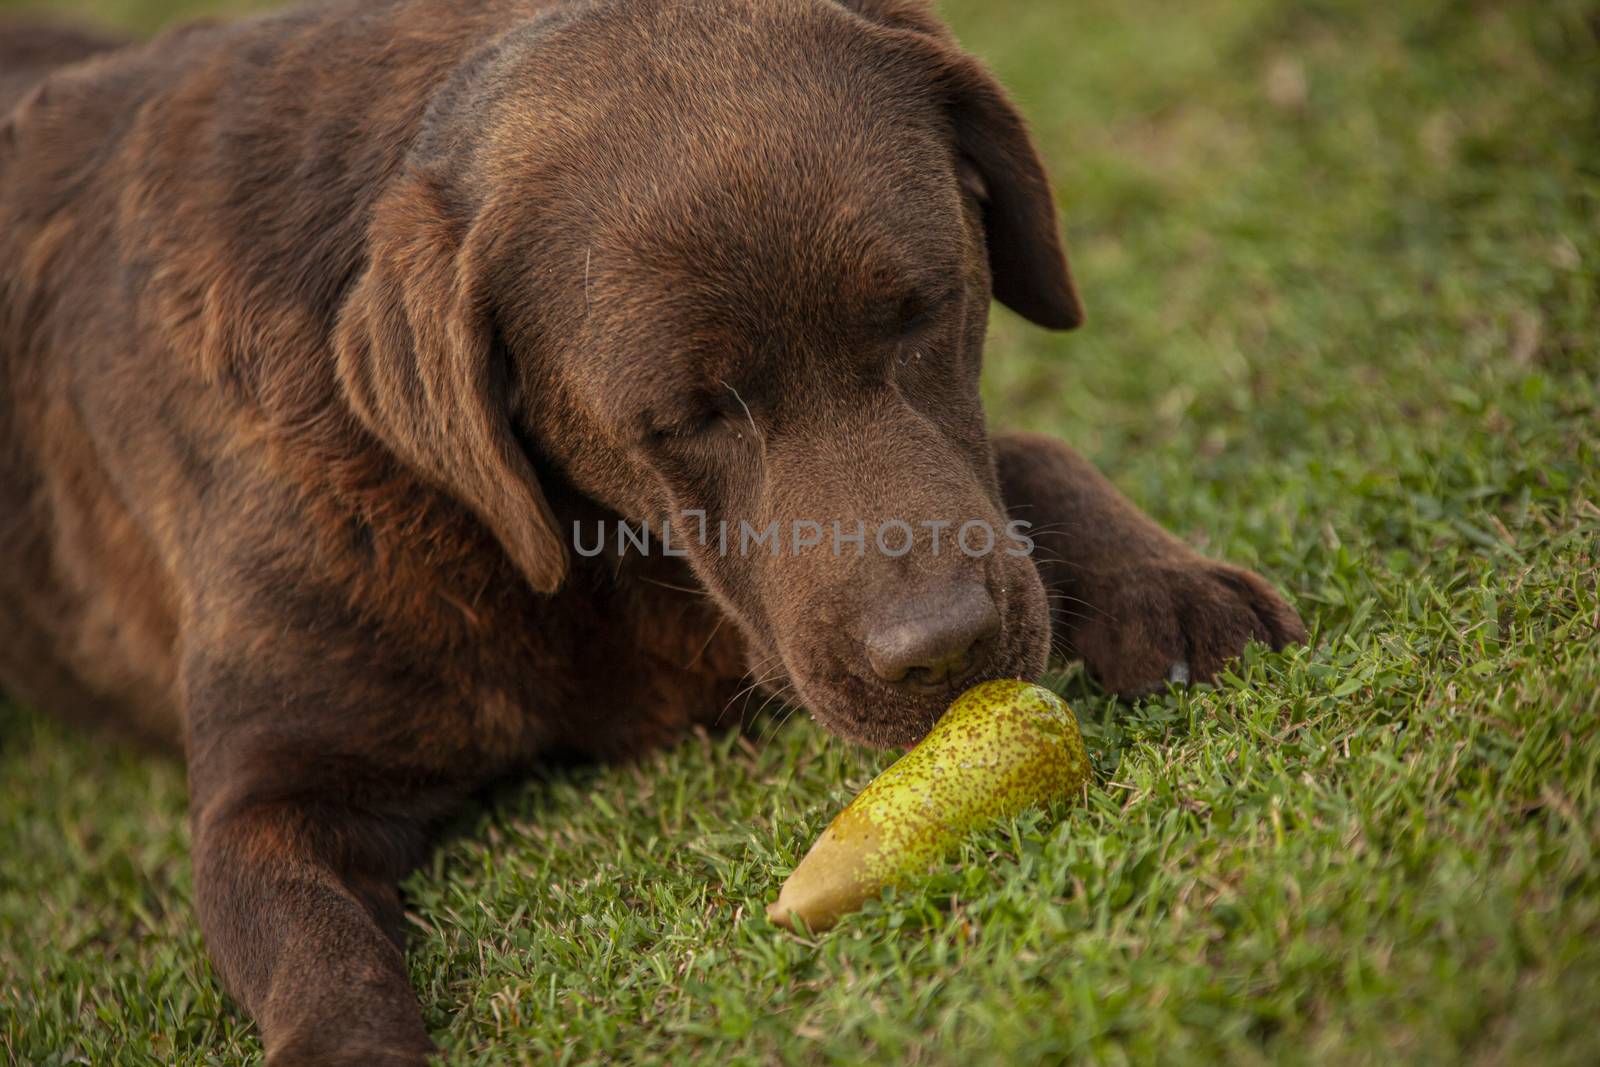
<point x="1342" y="263"/>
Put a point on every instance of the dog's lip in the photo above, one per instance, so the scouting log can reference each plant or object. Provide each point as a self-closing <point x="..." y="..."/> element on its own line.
<point x="879" y="733"/>
<point x="859" y="710"/>
<point x="845" y="698"/>
<point x="851" y="703"/>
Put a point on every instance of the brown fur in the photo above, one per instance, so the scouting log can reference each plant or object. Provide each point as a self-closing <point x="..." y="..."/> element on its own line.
<point x="318" y="331"/>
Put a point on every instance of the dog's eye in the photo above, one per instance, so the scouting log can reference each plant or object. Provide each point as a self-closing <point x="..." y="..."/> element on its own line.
<point x="684" y="429"/>
<point x="914" y="315"/>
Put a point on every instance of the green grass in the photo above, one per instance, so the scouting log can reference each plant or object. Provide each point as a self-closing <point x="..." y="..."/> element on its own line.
<point x="1342" y="261"/>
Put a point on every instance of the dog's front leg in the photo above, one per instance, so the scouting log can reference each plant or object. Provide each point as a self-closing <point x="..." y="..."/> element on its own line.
<point x="306" y="938"/>
<point x="1139" y="606"/>
<point x="306" y="811"/>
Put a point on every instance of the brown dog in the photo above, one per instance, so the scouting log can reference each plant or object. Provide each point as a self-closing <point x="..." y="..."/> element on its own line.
<point x="327" y="338"/>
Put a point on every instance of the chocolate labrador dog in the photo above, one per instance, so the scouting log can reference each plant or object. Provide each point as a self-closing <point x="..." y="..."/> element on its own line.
<point x="326" y="336"/>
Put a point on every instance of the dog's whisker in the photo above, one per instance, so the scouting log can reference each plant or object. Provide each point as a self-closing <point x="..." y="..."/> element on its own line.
<point x="1054" y="560"/>
<point x="753" y="428"/>
<point x="768" y="671"/>
<point x="676" y="588"/>
<point x="776" y="694"/>
<point x="1049" y="527"/>
<point x="778" y="721"/>
<point x="712" y="636"/>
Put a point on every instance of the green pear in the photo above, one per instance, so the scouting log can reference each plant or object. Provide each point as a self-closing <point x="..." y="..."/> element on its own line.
<point x="1003" y="747"/>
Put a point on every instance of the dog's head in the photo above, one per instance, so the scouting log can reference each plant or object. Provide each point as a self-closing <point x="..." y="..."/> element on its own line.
<point x="725" y="267"/>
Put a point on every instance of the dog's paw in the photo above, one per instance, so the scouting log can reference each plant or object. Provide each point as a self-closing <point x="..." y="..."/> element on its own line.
<point x="1176" y="621"/>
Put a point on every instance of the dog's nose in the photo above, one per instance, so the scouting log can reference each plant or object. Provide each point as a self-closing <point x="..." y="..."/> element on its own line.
<point x="930" y="640"/>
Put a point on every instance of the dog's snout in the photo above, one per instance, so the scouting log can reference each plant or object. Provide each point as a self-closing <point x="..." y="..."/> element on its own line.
<point x="930" y="641"/>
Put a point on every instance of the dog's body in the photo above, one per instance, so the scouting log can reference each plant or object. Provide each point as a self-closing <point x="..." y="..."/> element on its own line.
<point x="319" y="331"/>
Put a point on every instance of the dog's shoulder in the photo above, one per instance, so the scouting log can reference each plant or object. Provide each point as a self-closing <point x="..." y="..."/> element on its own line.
<point x="179" y="222"/>
<point x="31" y="50"/>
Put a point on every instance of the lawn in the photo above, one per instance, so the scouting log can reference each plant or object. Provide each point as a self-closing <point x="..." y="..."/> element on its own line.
<point x="1342" y="265"/>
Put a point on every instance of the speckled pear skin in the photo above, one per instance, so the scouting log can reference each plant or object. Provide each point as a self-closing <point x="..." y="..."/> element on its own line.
<point x="1003" y="747"/>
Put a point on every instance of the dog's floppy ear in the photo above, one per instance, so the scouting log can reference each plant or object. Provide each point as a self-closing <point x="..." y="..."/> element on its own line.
<point x="417" y="360"/>
<point x="1000" y="166"/>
